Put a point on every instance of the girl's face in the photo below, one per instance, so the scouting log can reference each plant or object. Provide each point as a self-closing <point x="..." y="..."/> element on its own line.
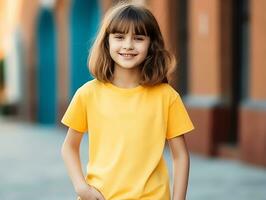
<point x="127" y="49"/>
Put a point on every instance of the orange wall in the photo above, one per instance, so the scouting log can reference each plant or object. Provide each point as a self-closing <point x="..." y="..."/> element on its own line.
<point x="204" y="30"/>
<point x="258" y="50"/>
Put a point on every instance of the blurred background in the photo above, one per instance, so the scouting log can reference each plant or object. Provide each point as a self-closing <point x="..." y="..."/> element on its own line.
<point x="221" y="75"/>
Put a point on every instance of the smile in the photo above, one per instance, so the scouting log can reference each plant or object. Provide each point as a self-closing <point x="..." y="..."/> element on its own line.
<point x="127" y="55"/>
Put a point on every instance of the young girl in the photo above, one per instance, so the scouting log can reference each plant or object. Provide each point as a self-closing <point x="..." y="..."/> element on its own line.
<point x="129" y="110"/>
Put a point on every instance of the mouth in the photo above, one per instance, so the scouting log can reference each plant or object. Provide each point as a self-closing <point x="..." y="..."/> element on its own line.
<point x="127" y="55"/>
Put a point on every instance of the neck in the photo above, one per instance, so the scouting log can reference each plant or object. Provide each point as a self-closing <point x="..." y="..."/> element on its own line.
<point x="126" y="78"/>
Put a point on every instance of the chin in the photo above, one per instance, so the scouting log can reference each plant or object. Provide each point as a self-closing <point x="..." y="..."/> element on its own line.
<point x="128" y="66"/>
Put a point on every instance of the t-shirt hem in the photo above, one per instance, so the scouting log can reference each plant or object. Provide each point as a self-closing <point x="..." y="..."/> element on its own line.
<point x="68" y="124"/>
<point x="181" y="133"/>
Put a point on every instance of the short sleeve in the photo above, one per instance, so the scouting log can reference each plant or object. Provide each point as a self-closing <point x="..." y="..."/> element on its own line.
<point x="178" y="119"/>
<point x="75" y="116"/>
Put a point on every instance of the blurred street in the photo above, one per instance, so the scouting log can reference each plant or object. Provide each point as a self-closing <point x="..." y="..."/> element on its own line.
<point x="32" y="168"/>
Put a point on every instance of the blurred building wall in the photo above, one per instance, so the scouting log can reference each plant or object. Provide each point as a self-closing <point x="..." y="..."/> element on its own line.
<point x="225" y="97"/>
<point x="252" y="112"/>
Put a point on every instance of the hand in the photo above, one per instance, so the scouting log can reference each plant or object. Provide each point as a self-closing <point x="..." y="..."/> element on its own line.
<point x="97" y="193"/>
<point x="87" y="192"/>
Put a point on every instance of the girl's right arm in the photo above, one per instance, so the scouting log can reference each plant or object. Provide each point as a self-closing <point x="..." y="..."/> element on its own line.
<point x="71" y="157"/>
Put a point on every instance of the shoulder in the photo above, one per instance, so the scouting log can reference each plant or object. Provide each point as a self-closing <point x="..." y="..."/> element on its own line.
<point x="165" y="92"/>
<point x="88" y="87"/>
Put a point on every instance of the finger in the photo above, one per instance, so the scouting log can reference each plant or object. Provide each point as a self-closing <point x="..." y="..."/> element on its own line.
<point x="98" y="194"/>
<point x="101" y="197"/>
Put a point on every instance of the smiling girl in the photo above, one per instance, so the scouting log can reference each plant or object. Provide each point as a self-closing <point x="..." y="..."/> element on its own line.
<point x="129" y="110"/>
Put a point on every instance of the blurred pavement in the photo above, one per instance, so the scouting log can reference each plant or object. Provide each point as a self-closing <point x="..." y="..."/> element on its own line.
<point x="31" y="168"/>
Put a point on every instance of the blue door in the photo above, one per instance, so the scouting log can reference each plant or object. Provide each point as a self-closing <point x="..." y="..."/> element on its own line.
<point x="46" y="68"/>
<point x="84" y="20"/>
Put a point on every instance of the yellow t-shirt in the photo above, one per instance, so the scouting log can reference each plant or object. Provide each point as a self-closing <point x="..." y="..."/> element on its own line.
<point x="127" y="131"/>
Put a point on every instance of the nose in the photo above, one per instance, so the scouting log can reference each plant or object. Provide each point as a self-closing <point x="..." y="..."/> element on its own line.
<point x="128" y="44"/>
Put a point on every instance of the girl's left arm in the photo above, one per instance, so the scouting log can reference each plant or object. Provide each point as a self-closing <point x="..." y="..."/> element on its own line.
<point x="181" y="163"/>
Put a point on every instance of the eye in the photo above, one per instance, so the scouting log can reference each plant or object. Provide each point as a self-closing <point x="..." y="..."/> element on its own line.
<point x="118" y="36"/>
<point x="139" y="38"/>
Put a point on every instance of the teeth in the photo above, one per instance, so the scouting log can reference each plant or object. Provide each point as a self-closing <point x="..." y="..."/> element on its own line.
<point x="127" y="55"/>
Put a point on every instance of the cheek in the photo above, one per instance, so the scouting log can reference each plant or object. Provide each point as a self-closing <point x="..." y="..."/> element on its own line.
<point x="112" y="50"/>
<point x="145" y="50"/>
<point x="113" y="45"/>
<point x="112" y="54"/>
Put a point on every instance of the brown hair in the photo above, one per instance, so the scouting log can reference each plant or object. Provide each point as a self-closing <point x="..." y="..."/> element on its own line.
<point x="159" y="63"/>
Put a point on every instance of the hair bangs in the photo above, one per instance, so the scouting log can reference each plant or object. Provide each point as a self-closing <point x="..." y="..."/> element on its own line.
<point x="128" y="20"/>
